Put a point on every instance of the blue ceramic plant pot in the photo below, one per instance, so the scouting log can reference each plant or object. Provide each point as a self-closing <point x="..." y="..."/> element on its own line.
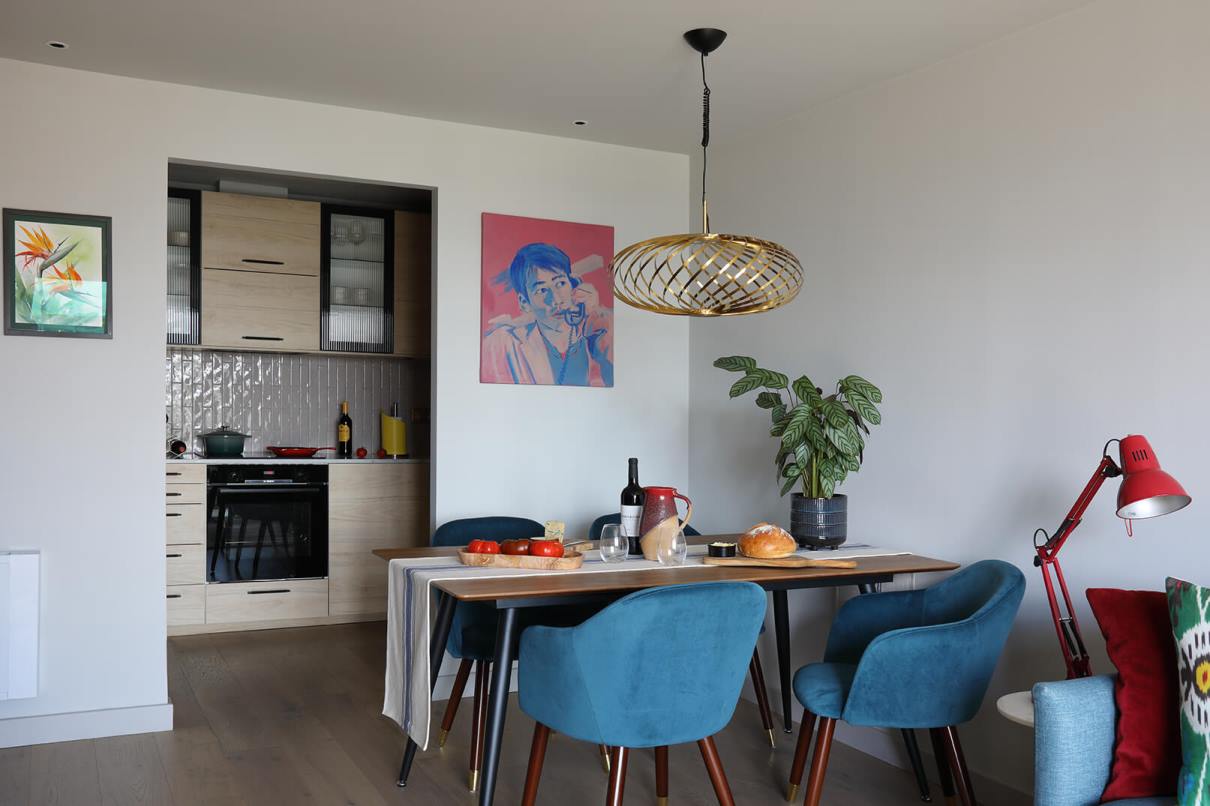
<point x="819" y="523"/>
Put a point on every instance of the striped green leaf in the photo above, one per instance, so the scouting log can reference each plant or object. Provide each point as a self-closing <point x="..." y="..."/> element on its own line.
<point x="788" y="485"/>
<point x="862" y="387"/>
<point x="862" y="405"/>
<point x="834" y="413"/>
<point x="736" y="363"/>
<point x="804" y="387"/>
<point x="768" y="400"/>
<point x="745" y="385"/>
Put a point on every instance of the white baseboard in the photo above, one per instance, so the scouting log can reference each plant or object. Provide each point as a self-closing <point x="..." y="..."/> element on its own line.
<point x="25" y="730"/>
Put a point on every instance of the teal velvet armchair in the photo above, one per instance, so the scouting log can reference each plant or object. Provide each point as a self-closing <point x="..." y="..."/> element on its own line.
<point x="659" y="667"/>
<point x="909" y="659"/>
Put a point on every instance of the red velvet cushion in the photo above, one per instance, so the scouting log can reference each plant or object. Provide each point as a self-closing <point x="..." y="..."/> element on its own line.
<point x="1138" y="638"/>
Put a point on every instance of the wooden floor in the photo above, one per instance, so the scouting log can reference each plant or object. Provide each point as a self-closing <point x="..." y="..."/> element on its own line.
<point x="293" y="717"/>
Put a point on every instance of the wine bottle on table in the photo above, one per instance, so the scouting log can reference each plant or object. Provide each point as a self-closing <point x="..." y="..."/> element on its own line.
<point x="344" y="432"/>
<point x="632" y="509"/>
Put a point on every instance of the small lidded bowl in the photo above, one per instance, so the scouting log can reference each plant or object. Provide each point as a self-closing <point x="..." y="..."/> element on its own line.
<point x="721" y="549"/>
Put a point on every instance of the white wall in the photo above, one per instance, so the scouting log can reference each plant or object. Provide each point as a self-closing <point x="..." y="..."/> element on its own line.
<point x="1013" y="244"/>
<point x="80" y="474"/>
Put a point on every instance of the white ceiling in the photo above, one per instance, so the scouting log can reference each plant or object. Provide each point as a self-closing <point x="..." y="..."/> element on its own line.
<point x="533" y="65"/>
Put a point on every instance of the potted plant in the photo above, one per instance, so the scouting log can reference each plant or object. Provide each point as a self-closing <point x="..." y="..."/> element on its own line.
<point x="819" y="442"/>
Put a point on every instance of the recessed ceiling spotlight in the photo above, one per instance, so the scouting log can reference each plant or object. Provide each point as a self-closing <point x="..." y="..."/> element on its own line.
<point x="56" y="44"/>
<point x="579" y="122"/>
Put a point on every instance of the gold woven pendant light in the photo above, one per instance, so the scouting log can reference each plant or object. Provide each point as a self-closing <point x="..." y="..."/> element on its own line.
<point x="706" y="273"/>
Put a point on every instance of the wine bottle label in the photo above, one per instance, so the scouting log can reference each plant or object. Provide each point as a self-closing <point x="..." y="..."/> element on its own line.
<point x="342" y="433"/>
<point x="631" y="515"/>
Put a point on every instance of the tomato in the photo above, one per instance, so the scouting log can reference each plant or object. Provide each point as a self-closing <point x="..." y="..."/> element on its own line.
<point x="483" y="547"/>
<point x="515" y="547"/>
<point x="546" y="548"/>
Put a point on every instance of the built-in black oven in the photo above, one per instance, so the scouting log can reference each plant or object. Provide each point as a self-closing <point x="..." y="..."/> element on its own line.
<point x="266" y="521"/>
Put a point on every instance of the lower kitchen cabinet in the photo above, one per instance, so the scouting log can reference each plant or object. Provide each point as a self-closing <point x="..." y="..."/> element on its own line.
<point x="185" y="544"/>
<point x="371" y="506"/>
<point x="186" y="605"/>
<point x="273" y="600"/>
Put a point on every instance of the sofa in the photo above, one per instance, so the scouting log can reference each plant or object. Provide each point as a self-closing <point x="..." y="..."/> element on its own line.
<point x="1074" y="724"/>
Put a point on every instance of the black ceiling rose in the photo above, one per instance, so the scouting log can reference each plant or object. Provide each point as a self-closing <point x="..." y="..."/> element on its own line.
<point x="705" y="40"/>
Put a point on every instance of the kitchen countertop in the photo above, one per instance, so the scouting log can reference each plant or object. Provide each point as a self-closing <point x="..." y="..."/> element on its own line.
<point x="271" y="459"/>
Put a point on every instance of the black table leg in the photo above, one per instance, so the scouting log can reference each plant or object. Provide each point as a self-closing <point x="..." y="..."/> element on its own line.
<point x="781" y="626"/>
<point x="441" y="634"/>
<point x="502" y="672"/>
<point x="909" y="736"/>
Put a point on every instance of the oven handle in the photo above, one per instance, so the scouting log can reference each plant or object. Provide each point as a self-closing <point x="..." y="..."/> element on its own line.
<point x="268" y="487"/>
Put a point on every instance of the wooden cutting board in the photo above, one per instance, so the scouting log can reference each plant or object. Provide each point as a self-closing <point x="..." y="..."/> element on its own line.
<point x="783" y="562"/>
<point x="568" y="562"/>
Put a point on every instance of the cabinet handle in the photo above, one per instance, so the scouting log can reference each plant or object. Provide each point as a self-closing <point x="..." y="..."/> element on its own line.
<point x="172" y="473"/>
<point x="263" y="338"/>
<point x="274" y="590"/>
<point x="173" y="596"/>
<point x="172" y="515"/>
<point x="263" y="262"/>
<point x="170" y="556"/>
<point x="173" y="495"/>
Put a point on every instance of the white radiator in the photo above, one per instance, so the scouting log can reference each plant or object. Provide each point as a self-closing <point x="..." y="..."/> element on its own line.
<point x="19" y="574"/>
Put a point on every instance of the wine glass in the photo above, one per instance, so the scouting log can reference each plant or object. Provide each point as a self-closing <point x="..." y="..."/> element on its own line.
<point x="613" y="545"/>
<point x="672" y="551"/>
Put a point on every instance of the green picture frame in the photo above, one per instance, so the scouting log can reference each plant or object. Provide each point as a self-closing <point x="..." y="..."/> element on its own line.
<point x="58" y="274"/>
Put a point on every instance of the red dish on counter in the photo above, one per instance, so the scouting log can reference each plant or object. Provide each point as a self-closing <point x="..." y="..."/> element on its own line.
<point x="294" y="452"/>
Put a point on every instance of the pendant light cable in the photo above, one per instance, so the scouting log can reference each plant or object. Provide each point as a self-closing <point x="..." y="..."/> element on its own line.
<point x="705" y="142"/>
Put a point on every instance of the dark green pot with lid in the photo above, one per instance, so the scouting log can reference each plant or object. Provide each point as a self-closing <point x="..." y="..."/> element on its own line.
<point x="223" y="443"/>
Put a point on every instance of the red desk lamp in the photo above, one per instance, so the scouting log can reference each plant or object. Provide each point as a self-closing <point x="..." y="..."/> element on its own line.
<point x="1146" y="492"/>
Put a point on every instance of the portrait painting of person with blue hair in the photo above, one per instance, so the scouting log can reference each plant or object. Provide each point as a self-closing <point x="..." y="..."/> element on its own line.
<point x="545" y="323"/>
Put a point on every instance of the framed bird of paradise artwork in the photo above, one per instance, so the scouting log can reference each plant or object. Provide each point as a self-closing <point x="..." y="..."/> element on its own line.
<point x="57" y="275"/>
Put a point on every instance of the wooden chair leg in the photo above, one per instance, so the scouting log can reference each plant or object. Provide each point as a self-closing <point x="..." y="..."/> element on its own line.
<point x="819" y="762"/>
<point x="962" y="777"/>
<point x="714" y="766"/>
<point x="805" y="729"/>
<point x="762" y="695"/>
<point x="617" y="776"/>
<point x="661" y="775"/>
<point x="943" y="766"/>
<point x="451" y="705"/>
<point x="483" y="674"/>
<point x="604" y="757"/>
<point x="537" y="754"/>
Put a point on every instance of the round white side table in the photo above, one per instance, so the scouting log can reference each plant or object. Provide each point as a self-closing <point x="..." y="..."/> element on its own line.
<point x="1017" y="707"/>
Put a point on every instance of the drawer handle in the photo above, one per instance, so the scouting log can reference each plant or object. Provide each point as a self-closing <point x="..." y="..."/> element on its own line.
<point x="263" y="262"/>
<point x="172" y="515"/>
<point x="173" y="596"/>
<point x="172" y="473"/>
<point x="263" y="338"/>
<point x="170" y="556"/>
<point x="173" y="495"/>
<point x="274" y="590"/>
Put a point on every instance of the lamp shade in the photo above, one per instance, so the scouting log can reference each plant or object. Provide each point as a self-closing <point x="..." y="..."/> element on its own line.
<point x="1146" y="491"/>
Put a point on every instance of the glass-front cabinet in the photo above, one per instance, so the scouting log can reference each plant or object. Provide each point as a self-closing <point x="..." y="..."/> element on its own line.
<point x="357" y="280"/>
<point x="184" y="264"/>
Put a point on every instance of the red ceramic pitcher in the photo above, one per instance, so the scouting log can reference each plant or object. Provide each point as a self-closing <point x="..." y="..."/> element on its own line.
<point x="659" y="505"/>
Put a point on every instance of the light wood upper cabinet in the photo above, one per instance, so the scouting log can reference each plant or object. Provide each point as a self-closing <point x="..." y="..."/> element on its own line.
<point x="256" y="233"/>
<point x="371" y="506"/>
<point x="259" y="311"/>
<point x="413" y="272"/>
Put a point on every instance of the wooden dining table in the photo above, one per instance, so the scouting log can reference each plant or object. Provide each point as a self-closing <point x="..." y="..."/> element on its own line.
<point x="512" y="594"/>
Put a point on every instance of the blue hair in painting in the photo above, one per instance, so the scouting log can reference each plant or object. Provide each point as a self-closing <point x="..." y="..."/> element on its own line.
<point x="531" y="257"/>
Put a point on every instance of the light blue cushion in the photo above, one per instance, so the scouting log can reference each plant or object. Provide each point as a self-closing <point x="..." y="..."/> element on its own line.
<point x="661" y="666"/>
<point x="826" y="686"/>
<point x="1074" y="724"/>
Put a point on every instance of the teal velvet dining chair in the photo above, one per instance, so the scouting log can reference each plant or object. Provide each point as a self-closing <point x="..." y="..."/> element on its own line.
<point x="755" y="670"/>
<point x="909" y="659"/>
<point x="659" y="667"/>
<point x="473" y="632"/>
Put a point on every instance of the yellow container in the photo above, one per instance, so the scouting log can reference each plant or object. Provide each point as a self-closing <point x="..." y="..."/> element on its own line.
<point x="394" y="435"/>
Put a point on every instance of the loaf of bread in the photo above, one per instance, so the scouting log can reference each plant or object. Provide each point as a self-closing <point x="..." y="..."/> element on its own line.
<point x="767" y="541"/>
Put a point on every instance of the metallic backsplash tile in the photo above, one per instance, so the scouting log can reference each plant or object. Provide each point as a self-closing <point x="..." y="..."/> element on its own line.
<point x="285" y="399"/>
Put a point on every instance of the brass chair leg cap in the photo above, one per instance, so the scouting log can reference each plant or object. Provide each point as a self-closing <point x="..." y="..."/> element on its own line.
<point x="792" y="793"/>
<point x="661" y="801"/>
<point x="441" y="737"/>
<point x="772" y="741"/>
<point x="472" y="780"/>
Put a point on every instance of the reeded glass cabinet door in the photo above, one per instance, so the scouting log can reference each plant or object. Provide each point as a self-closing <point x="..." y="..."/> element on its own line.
<point x="184" y="263"/>
<point x="358" y="274"/>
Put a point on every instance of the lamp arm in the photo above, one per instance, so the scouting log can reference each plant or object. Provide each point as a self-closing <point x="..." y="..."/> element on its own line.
<point x="1075" y="655"/>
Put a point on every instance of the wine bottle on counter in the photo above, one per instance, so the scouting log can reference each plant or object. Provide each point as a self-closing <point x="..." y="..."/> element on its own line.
<point x="632" y="508"/>
<point x="344" y="433"/>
